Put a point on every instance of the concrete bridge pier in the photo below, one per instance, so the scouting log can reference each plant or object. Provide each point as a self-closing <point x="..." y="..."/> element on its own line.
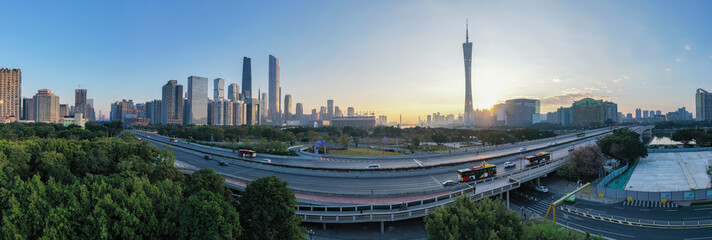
<point x="538" y="181"/>
<point x="507" y="200"/>
<point x="382" y="227"/>
<point x="324" y="226"/>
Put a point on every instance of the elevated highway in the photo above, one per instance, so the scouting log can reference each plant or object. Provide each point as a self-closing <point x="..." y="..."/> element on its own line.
<point x="340" y="195"/>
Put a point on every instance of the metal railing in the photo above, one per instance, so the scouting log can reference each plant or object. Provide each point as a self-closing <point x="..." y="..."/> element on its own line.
<point x="638" y="221"/>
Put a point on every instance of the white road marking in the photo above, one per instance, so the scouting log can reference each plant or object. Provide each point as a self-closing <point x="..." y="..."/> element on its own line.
<point x="702" y="209"/>
<point x="598" y="231"/>
<point x="416" y="161"/>
<point x="431" y="176"/>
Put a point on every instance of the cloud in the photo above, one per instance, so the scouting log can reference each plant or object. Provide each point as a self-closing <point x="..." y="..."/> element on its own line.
<point x="677" y="60"/>
<point x="568" y="97"/>
<point x="688" y="47"/>
<point x="668" y="69"/>
<point x="710" y="56"/>
<point x="556" y="80"/>
<point x="617" y="80"/>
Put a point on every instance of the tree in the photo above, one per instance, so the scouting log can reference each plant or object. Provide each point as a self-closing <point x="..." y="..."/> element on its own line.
<point x="207" y="179"/>
<point x="465" y="219"/>
<point x="585" y="164"/>
<point x="685" y="136"/>
<point x="344" y="140"/>
<point x="440" y="138"/>
<point x="624" y="145"/>
<point x="267" y="211"/>
<point x="356" y="140"/>
<point x="205" y="216"/>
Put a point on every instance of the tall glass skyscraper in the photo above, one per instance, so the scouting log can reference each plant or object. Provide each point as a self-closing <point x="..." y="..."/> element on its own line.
<point x="219" y="89"/>
<point x="275" y="97"/>
<point x="172" y="103"/>
<point x="469" y="118"/>
<point x="246" y="78"/>
<point x="233" y="92"/>
<point x="703" y="105"/>
<point x="197" y="101"/>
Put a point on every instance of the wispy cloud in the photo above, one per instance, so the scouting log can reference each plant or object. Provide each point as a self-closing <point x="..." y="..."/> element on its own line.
<point x="668" y="69"/>
<point x="677" y="60"/>
<point x="688" y="47"/>
<point x="556" y="80"/>
<point x="566" y="98"/>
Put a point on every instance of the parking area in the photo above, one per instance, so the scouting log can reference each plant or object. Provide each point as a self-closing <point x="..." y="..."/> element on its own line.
<point x="679" y="171"/>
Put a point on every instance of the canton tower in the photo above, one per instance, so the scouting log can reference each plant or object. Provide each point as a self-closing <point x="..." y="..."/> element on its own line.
<point x="469" y="118"/>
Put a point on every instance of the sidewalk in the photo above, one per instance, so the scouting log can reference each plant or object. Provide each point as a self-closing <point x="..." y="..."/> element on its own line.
<point x="561" y="186"/>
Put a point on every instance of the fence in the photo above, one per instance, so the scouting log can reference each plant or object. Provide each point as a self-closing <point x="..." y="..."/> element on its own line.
<point x="637" y="221"/>
<point x="690" y="195"/>
<point x="669" y="150"/>
<point x="612" y="176"/>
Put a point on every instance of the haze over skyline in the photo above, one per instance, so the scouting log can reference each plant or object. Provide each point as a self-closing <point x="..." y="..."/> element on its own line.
<point x="395" y="57"/>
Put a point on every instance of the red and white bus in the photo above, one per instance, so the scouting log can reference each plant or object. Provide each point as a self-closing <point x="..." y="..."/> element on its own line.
<point x="479" y="172"/>
<point x="538" y="158"/>
<point x="246" y="153"/>
<point x="581" y="134"/>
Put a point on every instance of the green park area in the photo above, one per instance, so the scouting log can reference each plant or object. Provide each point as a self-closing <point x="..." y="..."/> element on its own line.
<point x="360" y="152"/>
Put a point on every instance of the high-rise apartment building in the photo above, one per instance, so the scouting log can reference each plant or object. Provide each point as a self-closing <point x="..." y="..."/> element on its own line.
<point x="263" y="105"/>
<point x="80" y="101"/>
<point x="63" y="110"/>
<point x="611" y="112"/>
<point x="565" y="116"/>
<point x="588" y="111"/>
<point x="299" y="111"/>
<point x="46" y="106"/>
<point x="252" y="112"/>
<point x="350" y="112"/>
<point x="329" y="109"/>
<point x="172" y="103"/>
<point x="288" y="107"/>
<point x="469" y="119"/>
<point x="703" y="105"/>
<point x="124" y="111"/>
<point x="246" y="79"/>
<point x="10" y="92"/>
<point x="28" y="109"/>
<point x="274" y="91"/>
<point x="197" y="101"/>
<point x="233" y="92"/>
<point x="153" y="111"/>
<point x="519" y="111"/>
<point x="638" y="113"/>
<point x="338" y="112"/>
<point x="218" y="88"/>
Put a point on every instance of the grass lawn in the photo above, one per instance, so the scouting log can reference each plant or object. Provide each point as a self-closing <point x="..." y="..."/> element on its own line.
<point x="553" y="230"/>
<point x="363" y="152"/>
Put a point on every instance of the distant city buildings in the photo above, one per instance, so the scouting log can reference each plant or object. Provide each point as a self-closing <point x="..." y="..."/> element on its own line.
<point x="233" y="92"/>
<point x="519" y="111"/>
<point x="357" y="122"/>
<point x="218" y="88"/>
<point x="288" y="107"/>
<point x="196" y="104"/>
<point x="274" y="91"/>
<point x="124" y="111"/>
<point x="46" y="106"/>
<point x="703" y="105"/>
<point x="10" y="93"/>
<point x="246" y="79"/>
<point x="171" y="104"/>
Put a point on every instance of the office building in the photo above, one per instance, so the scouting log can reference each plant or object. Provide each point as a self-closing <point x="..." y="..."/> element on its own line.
<point x="80" y="102"/>
<point x="46" y="106"/>
<point x="330" y="108"/>
<point x="610" y="115"/>
<point x="218" y="88"/>
<point x="520" y="111"/>
<point x="357" y="122"/>
<point x="10" y="93"/>
<point x="338" y="112"/>
<point x="565" y="116"/>
<point x="28" y="109"/>
<point x="233" y="92"/>
<point x="274" y="90"/>
<point x="246" y="79"/>
<point x="499" y="115"/>
<point x="63" y="110"/>
<point x="638" y="113"/>
<point x="703" y="105"/>
<point x="263" y="105"/>
<point x="124" y="111"/>
<point x="172" y="103"/>
<point x="239" y="113"/>
<point x="153" y="111"/>
<point x="197" y="101"/>
<point x="588" y="111"/>
<point x="288" y="107"/>
<point x="323" y="113"/>
<point x="350" y="112"/>
<point x="680" y="115"/>
<point x="299" y="111"/>
<point x="252" y="112"/>
<point x="467" y="52"/>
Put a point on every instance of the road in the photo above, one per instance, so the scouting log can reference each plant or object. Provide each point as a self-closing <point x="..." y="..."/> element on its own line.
<point x="384" y="162"/>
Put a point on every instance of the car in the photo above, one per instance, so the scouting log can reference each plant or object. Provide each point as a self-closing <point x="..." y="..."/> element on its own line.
<point x="571" y="148"/>
<point x="208" y="157"/>
<point x="509" y="164"/>
<point x="449" y="183"/>
<point x="571" y="199"/>
<point x="223" y="163"/>
<point x="541" y="189"/>
<point x="265" y="161"/>
<point x="373" y="166"/>
<point x="522" y="149"/>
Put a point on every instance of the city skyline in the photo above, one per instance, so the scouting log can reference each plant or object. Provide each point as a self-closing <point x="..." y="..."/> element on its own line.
<point x="573" y="57"/>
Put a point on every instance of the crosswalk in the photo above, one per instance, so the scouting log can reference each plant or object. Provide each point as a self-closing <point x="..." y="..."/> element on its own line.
<point x="649" y="204"/>
<point x="530" y="205"/>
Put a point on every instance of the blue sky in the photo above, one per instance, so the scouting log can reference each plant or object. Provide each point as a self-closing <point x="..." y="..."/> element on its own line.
<point x="391" y="57"/>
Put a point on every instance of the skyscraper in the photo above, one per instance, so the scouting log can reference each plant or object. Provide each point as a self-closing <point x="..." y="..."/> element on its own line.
<point x="246" y="79"/>
<point x="197" y="101"/>
<point x="233" y="92"/>
<point x="219" y="88"/>
<point x="263" y="104"/>
<point x="28" y="109"/>
<point x="172" y="103"/>
<point x="299" y="111"/>
<point x="80" y="101"/>
<point x="703" y="105"/>
<point x="10" y="92"/>
<point x="520" y="111"/>
<point x="350" y="112"/>
<point x="637" y="113"/>
<point x="46" y="106"/>
<point x="467" y="51"/>
<point x="287" y="107"/>
<point x="330" y="108"/>
<point x="274" y="94"/>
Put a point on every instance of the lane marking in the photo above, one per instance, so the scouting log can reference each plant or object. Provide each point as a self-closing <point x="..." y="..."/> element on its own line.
<point x="702" y="209"/>
<point x="416" y="161"/>
<point x="431" y="176"/>
<point x="597" y="230"/>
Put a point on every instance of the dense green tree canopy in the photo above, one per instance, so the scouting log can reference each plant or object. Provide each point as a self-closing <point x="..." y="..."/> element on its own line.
<point x="268" y="211"/>
<point x="624" y="145"/>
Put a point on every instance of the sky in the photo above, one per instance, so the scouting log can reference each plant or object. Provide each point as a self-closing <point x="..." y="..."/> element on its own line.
<point x="390" y="57"/>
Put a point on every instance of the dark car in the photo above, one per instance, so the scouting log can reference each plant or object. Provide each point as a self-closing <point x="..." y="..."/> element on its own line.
<point x="208" y="157"/>
<point x="449" y="183"/>
<point x="223" y="163"/>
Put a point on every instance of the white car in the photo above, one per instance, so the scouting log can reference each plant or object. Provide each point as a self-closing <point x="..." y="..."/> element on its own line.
<point x="541" y="189"/>
<point x="373" y="166"/>
<point x="265" y="160"/>
<point x="571" y="148"/>
<point x="522" y="149"/>
<point x="509" y="164"/>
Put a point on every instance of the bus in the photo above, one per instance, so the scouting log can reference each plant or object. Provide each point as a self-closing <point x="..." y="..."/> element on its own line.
<point x="484" y="170"/>
<point x="535" y="159"/>
<point x="246" y="153"/>
<point x="581" y="134"/>
<point x="175" y="140"/>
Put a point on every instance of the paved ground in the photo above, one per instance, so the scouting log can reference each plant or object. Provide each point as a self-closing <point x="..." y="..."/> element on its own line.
<point x="661" y="172"/>
<point x="410" y="229"/>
